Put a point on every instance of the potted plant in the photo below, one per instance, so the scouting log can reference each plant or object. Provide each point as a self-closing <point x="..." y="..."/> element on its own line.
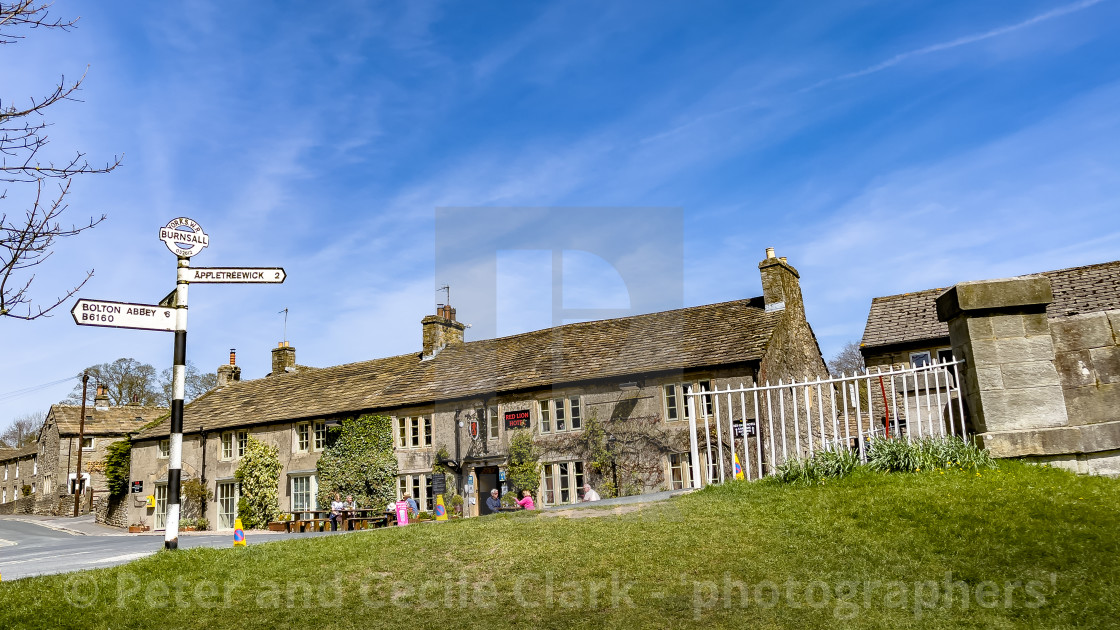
<point x="283" y="523"/>
<point x="137" y="528"/>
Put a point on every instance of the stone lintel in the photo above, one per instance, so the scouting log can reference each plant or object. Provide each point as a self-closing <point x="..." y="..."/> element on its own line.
<point x="1019" y="293"/>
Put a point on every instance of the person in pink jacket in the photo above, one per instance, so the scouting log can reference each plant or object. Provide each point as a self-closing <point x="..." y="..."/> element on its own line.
<point x="526" y="501"/>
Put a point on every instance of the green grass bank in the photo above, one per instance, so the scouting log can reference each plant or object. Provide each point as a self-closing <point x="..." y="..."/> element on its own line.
<point x="1015" y="547"/>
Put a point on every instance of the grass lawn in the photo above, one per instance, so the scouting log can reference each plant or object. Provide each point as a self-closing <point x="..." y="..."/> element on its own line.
<point x="1020" y="546"/>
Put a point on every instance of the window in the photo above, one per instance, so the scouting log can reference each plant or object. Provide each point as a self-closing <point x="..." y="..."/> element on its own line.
<point x="303" y="492"/>
<point x="17" y="470"/>
<point x="303" y="437"/>
<point x="680" y="471"/>
<point x="492" y="423"/>
<point x="561" y="414"/>
<point x="227" y="505"/>
<point x="161" y="506"/>
<point x="414" y="432"/>
<point x="919" y="359"/>
<point x="419" y="487"/>
<point x="5" y="472"/>
<point x="320" y="435"/>
<point x="34" y="466"/>
<point x="227" y="445"/>
<point x="242" y="443"/>
<point x="87" y="444"/>
<point x="677" y="405"/>
<point x="164" y="449"/>
<point x="5" y="500"/>
<point x="561" y="482"/>
<point x="945" y="355"/>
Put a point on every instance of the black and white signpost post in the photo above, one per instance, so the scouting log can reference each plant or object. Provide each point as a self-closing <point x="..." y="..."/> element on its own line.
<point x="184" y="238"/>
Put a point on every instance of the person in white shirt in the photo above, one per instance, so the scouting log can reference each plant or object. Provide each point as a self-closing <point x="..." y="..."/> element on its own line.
<point x="589" y="494"/>
<point x="336" y="511"/>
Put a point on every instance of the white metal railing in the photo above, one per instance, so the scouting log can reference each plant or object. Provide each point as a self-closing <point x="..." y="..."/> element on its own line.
<point x="822" y="414"/>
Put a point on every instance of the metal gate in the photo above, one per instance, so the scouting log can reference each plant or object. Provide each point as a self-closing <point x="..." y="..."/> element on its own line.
<point x="769" y="424"/>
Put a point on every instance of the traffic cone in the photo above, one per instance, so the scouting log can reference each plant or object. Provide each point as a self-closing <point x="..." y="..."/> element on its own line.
<point x="441" y="509"/>
<point x="238" y="534"/>
<point x="738" y="467"/>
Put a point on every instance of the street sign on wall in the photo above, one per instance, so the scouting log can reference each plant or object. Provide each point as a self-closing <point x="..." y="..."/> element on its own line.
<point x="123" y="315"/>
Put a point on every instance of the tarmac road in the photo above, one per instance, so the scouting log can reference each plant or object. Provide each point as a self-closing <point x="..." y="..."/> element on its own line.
<point x="32" y="545"/>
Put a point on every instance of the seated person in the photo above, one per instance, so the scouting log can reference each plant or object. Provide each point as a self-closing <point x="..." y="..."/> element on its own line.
<point x="336" y="511"/>
<point x="493" y="503"/>
<point x="526" y="501"/>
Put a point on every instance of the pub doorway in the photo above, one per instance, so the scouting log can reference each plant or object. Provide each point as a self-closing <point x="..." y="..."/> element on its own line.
<point x="487" y="481"/>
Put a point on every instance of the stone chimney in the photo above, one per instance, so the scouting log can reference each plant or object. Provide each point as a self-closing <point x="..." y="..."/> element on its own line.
<point x="781" y="285"/>
<point x="441" y="330"/>
<point x="283" y="359"/>
<point x="232" y="372"/>
<point x="101" y="400"/>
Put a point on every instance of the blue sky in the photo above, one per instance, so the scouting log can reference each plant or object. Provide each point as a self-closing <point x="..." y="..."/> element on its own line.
<point x="881" y="146"/>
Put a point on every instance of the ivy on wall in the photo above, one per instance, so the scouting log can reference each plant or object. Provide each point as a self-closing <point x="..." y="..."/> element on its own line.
<point x="259" y="476"/>
<point x="117" y="467"/>
<point x="360" y="462"/>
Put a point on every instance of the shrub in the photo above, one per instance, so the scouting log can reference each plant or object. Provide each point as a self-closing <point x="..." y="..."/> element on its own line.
<point x="831" y="464"/>
<point x="259" y="475"/>
<point x="509" y="499"/>
<point x="524" y="462"/>
<point x="26" y="490"/>
<point x="196" y="495"/>
<point x="361" y="462"/>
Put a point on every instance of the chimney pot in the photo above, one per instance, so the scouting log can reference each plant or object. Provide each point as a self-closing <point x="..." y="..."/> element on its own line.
<point x="233" y="356"/>
<point x="769" y="252"/>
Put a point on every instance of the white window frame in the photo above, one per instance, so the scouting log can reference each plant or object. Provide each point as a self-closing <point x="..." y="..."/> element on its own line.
<point x="680" y="404"/>
<point x="683" y="463"/>
<point x="163" y="449"/>
<point x="552" y="412"/>
<point x="313" y="491"/>
<point x="941" y="351"/>
<point x="34" y="466"/>
<point x="226" y="452"/>
<point x="223" y="500"/>
<point x="413" y="432"/>
<point x="17" y="469"/>
<point x="558" y="476"/>
<point x="302" y="441"/>
<point x="493" y="424"/>
<point x="160" y="495"/>
<point x="419" y="485"/>
<point x="242" y="444"/>
<point x="91" y="443"/>
<point x="319" y="435"/>
<point x="924" y="353"/>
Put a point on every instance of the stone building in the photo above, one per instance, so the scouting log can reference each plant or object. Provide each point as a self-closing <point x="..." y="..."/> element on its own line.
<point x="58" y="442"/>
<point x="625" y="376"/>
<point x="19" y="468"/>
<point x="1041" y="353"/>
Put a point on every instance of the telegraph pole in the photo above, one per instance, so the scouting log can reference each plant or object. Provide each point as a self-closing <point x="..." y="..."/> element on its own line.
<point x="81" y="438"/>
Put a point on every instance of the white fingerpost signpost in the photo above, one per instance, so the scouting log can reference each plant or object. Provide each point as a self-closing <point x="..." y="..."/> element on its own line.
<point x="185" y="238"/>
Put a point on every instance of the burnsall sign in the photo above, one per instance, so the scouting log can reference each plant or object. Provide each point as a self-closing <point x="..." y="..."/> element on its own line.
<point x="184" y="237"/>
<point x="517" y="419"/>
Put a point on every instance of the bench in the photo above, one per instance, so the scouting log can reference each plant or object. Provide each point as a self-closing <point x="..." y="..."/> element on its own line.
<point x="312" y="525"/>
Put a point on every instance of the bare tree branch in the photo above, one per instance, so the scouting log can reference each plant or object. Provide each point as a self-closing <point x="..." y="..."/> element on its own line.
<point x="28" y="241"/>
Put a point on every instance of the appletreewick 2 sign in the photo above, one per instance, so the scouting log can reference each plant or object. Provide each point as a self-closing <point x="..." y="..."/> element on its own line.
<point x="185" y="238"/>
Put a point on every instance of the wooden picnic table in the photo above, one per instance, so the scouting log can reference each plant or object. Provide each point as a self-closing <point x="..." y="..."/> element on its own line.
<point x="319" y="520"/>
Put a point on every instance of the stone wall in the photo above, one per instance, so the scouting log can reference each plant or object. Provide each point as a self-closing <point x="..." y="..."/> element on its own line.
<point x="25" y="505"/>
<point x="112" y="511"/>
<point x="1039" y="387"/>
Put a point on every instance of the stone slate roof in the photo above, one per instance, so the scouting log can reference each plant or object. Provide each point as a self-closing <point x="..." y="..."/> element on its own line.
<point x="701" y="336"/>
<point x="111" y="421"/>
<point x="912" y="317"/>
<point x="10" y="454"/>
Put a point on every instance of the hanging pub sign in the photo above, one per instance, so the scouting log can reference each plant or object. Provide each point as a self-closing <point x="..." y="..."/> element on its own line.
<point x="474" y="429"/>
<point x="517" y="419"/>
<point x="750" y="430"/>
